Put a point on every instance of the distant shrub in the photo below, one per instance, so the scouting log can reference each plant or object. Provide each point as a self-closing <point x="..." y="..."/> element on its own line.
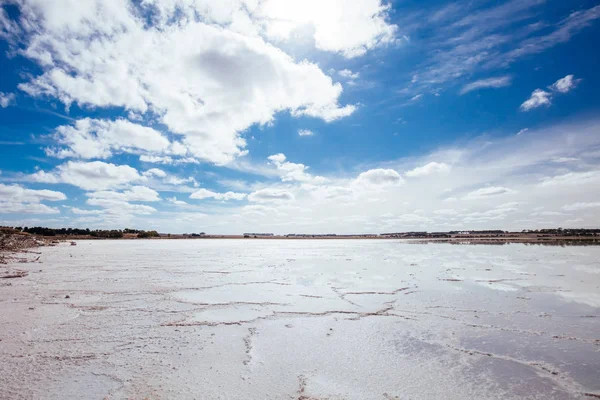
<point x="147" y="234"/>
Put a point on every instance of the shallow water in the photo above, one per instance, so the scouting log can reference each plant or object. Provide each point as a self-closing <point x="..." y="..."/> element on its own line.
<point x="302" y="319"/>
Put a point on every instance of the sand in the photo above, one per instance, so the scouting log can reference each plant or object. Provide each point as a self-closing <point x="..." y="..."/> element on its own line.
<point x="310" y="319"/>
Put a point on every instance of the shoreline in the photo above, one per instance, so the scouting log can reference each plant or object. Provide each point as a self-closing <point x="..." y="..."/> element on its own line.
<point x="505" y="239"/>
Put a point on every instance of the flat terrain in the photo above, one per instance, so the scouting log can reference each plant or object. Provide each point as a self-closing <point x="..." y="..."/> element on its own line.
<point x="302" y="320"/>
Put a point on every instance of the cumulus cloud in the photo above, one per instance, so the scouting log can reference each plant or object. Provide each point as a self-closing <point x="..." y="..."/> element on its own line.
<point x="538" y="98"/>
<point x="21" y="194"/>
<point x="290" y="171"/>
<point x="270" y="195"/>
<point x="433" y="168"/>
<point x="520" y="169"/>
<point x="497" y="82"/>
<point x="349" y="27"/>
<point x="565" y="84"/>
<point x="175" y="201"/>
<point x="348" y="74"/>
<point x="95" y="175"/>
<point x="203" y="82"/>
<point x="136" y="193"/>
<point x="155" y="172"/>
<point x="11" y="207"/>
<point x="93" y="138"/>
<point x="202" y="194"/>
<point x="6" y="99"/>
<point x="379" y="177"/>
<point x="15" y="199"/>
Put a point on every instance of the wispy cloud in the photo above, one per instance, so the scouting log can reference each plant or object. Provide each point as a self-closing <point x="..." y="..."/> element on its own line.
<point x="497" y="82"/>
<point x="11" y="143"/>
<point x="463" y="38"/>
<point x="305" y="132"/>
<point x="563" y="31"/>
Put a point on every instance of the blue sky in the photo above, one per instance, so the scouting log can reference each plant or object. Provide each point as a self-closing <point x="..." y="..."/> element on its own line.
<point x="299" y="116"/>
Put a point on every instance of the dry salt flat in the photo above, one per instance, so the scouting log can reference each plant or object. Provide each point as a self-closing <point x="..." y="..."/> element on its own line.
<point x="302" y="319"/>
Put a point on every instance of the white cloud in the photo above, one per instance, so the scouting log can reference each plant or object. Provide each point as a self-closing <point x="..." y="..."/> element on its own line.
<point x="168" y="160"/>
<point x="175" y="201"/>
<point x="156" y="159"/>
<point x="379" y="177"/>
<point x="497" y="82"/>
<point x="564" y="159"/>
<point x="581" y="206"/>
<point x="270" y="195"/>
<point x="155" y="172"/>
<point x="522" y="131"/>
<point x="136" y="193"/>
<point x="93" y="138"/>
<point x="15" y="199"/>
<point x="488" y="192"/>
<point x="538" y="98"/>
<point x="11" y="207"/>
<point x="120" y="207"/>
<point x="202" y="194"/>
<point x="433" y="168"/>
<point x="416" y="97"/>
<point x="346" y="73"/>
<point x="349" y="27"/>
<point x="95" y="175"/>
<point x="305" y="132"/>
<point x="21" y="194"/>
<point x="202" y="81"/>
<point x="565" y="84"/>
<point x="6" y="99"/>
<point x="571" y="178"/>
<point x="175" y="180"/>
<point x="80" y="211"/>
<point x="290" y="171"/>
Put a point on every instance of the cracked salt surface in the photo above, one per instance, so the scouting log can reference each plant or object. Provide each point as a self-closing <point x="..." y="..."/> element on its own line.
<point x="236" y="319"/>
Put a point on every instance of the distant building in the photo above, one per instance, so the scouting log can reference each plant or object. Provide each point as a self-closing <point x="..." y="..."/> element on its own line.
<point x="259" y="234"/>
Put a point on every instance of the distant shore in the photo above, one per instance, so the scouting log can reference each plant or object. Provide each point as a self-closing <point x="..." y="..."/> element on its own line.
<point x="16" y="240"/>
<point x="454" y="239"/>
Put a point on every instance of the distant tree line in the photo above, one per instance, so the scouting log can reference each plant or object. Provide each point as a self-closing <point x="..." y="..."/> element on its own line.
<point x="565" y="231"/>
<point x="99" y="233"/>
